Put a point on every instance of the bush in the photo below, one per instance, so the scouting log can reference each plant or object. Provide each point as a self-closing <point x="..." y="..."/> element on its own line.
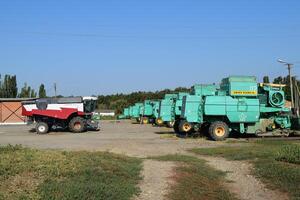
<point x="289" y="153"/>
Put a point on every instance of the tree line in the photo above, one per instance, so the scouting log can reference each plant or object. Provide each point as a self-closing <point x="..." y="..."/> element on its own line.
<point x="118" y="102"/>
<point x="9" y="89"/>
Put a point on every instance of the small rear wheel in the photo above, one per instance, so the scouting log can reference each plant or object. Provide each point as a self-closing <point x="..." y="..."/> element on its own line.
<point x="159" y="122"/>
<point x="145" y="120"/>
<point x="42" y="128"/>
<point x="185" y="127"/>
<point x="77" y="125"/>
<point x="218" y="131"/>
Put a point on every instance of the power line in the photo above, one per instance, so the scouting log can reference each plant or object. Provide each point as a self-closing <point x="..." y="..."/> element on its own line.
<point x="113" y="36"/>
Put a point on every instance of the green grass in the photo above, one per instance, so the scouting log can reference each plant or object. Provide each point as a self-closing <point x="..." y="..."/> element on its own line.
<point x="276" y="163"/>
<point x="40" y="174"/>
<point x="195" y="180"/>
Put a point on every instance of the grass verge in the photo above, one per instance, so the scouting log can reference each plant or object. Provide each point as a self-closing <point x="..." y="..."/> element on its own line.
<point x="195" y="180"/>
<point x="40" y="174"/>
<point x="276" y="163"/>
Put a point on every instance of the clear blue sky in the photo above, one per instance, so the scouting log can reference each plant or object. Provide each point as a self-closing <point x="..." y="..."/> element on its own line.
<point x="103" y="47"/>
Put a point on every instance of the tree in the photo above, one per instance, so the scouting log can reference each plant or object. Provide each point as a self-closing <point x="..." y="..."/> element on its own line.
<point x="8" y="87"/>
<point x="266" y="79"/>
<point x="42" y="91"/>
<point x="27" y="92"/>
<point x="33" y="94"/>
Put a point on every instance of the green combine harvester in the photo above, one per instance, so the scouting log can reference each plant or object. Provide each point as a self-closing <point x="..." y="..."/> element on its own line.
<point x="149" y="111"/>
<point x="126" y="114"/>
<point x="170" y="109"/>
<point x="240" y="104"/>
<point x="135" y="111"/>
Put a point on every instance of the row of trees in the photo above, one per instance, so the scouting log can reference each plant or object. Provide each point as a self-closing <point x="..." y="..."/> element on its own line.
<point x="9" y="89"/>
<point x="118" y="102"/>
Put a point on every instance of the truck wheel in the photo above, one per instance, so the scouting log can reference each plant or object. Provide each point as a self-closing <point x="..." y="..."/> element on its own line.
<point x="159" y="122"/>
<point x="185" y="127"/>
<point x="42" y="128"/>
<point x="218" y="131"/>
<point x="145" y="120"/>
<point x="77" y="125"/>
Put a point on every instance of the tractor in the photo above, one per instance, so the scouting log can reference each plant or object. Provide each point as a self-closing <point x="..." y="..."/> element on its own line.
<point x="77" y="114"/>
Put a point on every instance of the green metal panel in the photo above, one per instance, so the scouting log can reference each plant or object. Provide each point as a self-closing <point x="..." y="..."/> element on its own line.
<point x="192" y="109"/>
<point x="156" y="109"/>
<point x="170" y="107"/>
<point x="166" y="111"/>
<point x="237" y="110"/>
<point x="204" y="90"/>
<point x="147" y="109"/>
<point x="136" y="110"/>
<point x="178" y="104"/>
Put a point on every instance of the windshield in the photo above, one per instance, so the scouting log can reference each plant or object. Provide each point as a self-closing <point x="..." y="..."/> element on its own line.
<point x="89" y="106"/>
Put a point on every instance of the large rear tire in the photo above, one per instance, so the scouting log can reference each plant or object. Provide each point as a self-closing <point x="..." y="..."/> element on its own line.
<point x="77" y="125"/>
<point x="42" y="128"/>
<point x="218" y="131"/>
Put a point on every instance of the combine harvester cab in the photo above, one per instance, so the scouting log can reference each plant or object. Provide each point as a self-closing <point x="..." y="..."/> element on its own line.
<point x="76" y="114"/>
<point x="240" y="105"/>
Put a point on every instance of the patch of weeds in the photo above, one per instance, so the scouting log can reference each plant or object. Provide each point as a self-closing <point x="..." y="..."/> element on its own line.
<point x="34" y="174"/>
<point x="289" y="153"/>
<point x="195" y="180"/>
<point x="276" y="163"/>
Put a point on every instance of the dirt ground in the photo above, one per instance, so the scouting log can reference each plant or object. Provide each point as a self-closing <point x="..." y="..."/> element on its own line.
<point x="118" y="137"/>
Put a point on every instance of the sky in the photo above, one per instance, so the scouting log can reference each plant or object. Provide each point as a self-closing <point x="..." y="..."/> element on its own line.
<point x="90" y="47"/>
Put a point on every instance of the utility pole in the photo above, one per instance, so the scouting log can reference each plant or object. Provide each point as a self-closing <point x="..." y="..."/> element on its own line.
<point x="55" y="94"/>
<point x="289" y="66"/>
<point x="291" y="83"/>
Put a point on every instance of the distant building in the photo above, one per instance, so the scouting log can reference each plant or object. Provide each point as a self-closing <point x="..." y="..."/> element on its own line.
<point x="11" y="111"/>
<point x="107" y="113"/>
